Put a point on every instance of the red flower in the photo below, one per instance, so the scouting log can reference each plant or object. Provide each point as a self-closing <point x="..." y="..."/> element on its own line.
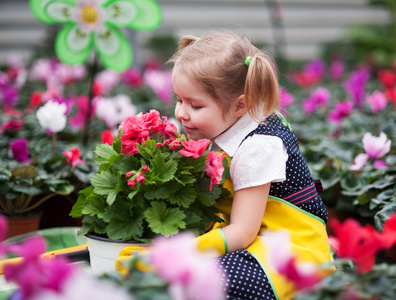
<point x="361" y="244"/>
<point x="73" y="157"/>
<point x="194" y="148"/>
<point x="35" y="99"/>
<point x="387" y="78"/>
<point x="214" y="167"/>
<point x="12" y="125"/>
<point x="107" y="137"/>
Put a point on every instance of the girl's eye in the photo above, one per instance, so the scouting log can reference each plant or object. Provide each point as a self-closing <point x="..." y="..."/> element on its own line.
<point x="196" y="107"/>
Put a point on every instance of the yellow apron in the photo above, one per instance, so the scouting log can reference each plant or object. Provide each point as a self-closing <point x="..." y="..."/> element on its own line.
<point x="309" y="240"/>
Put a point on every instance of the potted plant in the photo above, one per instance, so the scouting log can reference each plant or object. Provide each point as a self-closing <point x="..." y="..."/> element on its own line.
<point x="151" y="181"/>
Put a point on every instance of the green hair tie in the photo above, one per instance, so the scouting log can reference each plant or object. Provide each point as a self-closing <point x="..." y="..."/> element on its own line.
<point x="198" y="39"/>
<point x="247" y="61"/>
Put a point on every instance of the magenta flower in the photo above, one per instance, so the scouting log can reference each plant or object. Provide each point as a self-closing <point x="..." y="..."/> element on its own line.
<point x="188" y="271"/>
<point x="285" y="98"/>
<point x="377" y="101"/>
<point x="355" y="85"/>
<point x="337" y="69"/>
<point x="340" y="112"/>
<point x="34" y="274"/>
<point x="316" y="66"/>
<point x="319" y="98"/>
<point x="214" y="167"/>
<point x="19" y="150"/>
<point x="194" y="148"/>
<point x="132" y="77"/>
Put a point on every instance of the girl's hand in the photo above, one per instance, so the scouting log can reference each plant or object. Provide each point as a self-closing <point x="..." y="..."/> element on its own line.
<point x="247" y="213"/>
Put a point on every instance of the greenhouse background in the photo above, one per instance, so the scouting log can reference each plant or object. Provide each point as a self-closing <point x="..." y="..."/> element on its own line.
<point x="336" y="64"/>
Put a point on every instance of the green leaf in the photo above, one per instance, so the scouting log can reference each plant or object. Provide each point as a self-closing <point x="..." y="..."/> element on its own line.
<point x="120" y="229"/>
<point x="184" y="197"/>
<point x="104" y="152"/>
<point x="29" y="190"/>
<point x="162" y="192"/>
<point x="163" y="171"/>
<point x="94" y="205"/>
<point x="78" y="207"/>
<point x="104" y="184"/>
<point x="64" y="189"/>
<point x="163" y="220"/>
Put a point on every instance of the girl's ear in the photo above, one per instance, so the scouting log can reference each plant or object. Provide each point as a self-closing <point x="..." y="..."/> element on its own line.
<point x="240" y="106"/>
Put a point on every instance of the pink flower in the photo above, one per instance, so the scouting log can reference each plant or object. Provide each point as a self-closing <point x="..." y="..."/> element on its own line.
<point x="359" y="162"/>
<point x="188" y="271"/>
<point x="303" y="274"/>
<point x="140" y="178"/>
<point x="194" y="148"/>
<point x="132" y="77"/>
<point x="12" y="125"/>
<point x="336" y="69"/>
<point x="376" y="147"/>
<point x="19" y="150"/>
<point x="319" y="98"/>
<point x="214" y="167"/>
<point x="113" y="110"/>
<point x="286" y="99"/>
<point x="105" y="82"/>
<point x="340" y="112"/>
<point x="77" y="121"/>
<point x="161" y="83"/>
<point x="73" y="156"/>
<point x="355" y="85"/>
<point x="377" y="101"/>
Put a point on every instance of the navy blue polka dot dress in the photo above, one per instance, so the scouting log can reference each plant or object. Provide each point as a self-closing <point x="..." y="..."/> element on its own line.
<point x="242" y="276"/>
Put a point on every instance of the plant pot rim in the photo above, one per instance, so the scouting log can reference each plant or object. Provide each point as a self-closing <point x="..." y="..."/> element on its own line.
<point x="94" y="236"/>
<point x="26" y="215"/>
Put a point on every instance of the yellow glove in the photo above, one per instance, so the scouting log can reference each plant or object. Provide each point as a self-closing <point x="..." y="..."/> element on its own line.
<point x="213" y="240"/>
<point x="125" y="255"/>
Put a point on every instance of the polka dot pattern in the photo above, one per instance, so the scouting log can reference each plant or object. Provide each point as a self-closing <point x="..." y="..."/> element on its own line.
<point x="242" y="277"/>
<point x="298" y="175"/>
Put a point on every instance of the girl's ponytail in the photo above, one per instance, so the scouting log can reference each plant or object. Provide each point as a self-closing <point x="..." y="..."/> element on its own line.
<point x="261" y="87"/>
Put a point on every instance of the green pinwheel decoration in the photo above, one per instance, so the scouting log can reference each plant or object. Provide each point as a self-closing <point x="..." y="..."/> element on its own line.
<point x="95" y="24"/>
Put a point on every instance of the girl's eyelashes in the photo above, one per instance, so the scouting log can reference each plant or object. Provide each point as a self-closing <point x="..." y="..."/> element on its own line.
<point x="195" y="107"/>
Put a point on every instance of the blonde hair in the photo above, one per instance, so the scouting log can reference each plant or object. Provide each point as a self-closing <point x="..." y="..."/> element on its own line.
<point x="217" y="61"/>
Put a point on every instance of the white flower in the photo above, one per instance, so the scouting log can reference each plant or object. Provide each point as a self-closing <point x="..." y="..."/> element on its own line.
<point x="376" y="147"/>
<point x="52" y="116"/>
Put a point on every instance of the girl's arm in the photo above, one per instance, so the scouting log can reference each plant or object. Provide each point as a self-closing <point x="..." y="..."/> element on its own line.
<point x="247" y="213"/>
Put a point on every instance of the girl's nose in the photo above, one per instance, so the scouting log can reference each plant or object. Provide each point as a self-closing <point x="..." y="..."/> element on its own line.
<point x="181" y="113"/>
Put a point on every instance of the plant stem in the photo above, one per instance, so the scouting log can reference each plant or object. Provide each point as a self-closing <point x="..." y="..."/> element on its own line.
<point x="54" y="142"/>
<point x="90" y="98"/>
<point x="27" y="202"/>
<point x="38" y="203"/>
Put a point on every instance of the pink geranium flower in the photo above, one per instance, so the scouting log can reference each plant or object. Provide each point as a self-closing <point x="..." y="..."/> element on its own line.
<point x="214" y="167"/>
<point x="194" y="148"/>
<point x="73" y="156"/>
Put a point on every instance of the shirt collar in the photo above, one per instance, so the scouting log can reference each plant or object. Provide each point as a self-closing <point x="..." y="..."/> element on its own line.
<point x="230" y="140"/>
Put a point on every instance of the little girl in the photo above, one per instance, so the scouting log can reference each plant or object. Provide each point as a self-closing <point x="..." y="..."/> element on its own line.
<point x="227" y="91"/>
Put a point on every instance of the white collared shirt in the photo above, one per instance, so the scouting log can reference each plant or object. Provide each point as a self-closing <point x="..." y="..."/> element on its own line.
<point x="260" y="159"/>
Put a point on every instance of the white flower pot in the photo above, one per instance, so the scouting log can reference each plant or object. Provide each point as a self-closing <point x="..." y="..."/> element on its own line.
<point x="104" y="252"/>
